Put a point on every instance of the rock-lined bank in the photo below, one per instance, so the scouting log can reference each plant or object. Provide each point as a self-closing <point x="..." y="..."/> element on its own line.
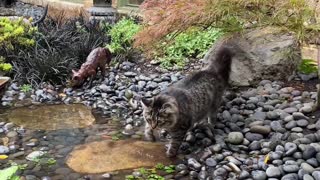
<point x="263" y="132"/>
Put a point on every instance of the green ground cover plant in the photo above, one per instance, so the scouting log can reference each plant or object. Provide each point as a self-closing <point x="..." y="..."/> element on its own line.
<point x="122" y="37"/>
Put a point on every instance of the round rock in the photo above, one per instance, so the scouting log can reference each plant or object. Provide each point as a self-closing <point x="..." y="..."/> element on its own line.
<point x="273" y="172"/>
<point x="259" y="175"/>
<point x="235" y="137"/>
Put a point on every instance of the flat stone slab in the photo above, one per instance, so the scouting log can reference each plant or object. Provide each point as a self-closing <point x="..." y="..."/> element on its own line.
<point x="108" y="156"/>
<point x="52" y="117"/>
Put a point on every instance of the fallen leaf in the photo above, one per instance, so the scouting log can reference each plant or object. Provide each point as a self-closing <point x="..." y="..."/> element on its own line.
<point x="3" y="157"/>
<point x="266" y="159"/>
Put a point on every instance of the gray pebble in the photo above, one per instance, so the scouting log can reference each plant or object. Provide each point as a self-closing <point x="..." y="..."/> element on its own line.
<point x="291" y="176"/>
<point x="309" y="152"/>
<point x="235" y="137"/>
<point x="316" y="175"/>
<point x="273" y="172"/>
<point x="259" y="175"/>
<point x="291" y="168"/>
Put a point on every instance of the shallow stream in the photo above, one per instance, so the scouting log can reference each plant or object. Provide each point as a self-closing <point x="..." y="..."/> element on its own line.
<point x="74" y="141"/>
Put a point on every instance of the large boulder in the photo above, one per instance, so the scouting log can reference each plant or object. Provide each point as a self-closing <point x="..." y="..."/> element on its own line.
<point x="266" y="53"/>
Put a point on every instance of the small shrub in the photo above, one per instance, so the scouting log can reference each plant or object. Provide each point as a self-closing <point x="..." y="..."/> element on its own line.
<point x="308" y="66"/>
<point x="122" y="37"/>
<point x="16" y="33"/>
<point x="26" y="88"/>
<point x="4" y="67"/>
<point x="193" y="43"/>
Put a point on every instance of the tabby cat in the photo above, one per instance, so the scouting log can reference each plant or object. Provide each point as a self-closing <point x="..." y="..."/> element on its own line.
<point x="191" y="100"/>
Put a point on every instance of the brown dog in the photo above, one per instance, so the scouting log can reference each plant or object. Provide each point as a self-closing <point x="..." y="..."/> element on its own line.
<point x="98" y="58"/>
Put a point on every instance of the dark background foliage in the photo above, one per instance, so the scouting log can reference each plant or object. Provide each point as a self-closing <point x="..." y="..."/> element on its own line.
<point x="58" y="50"/>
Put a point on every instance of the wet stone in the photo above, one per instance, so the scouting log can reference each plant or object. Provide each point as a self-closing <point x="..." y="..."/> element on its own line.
<point x="291" y="176"/>
<point x="181" y="167"/>
<point x="291" y="168"/>
<point x="309" y="152"/>
<point x="291" y="124"/>
<point x="244" y="175"/>
<point x="302" y="123"/>
<point x="235" y="137"/>
<point x="290" y="110"/>
<point x="273" y="172"/>
<point x="260" y="129"/>
<point x="253" y="136"/>
<point x="299" y="115"/>
<point x="4" y="149"/>
<point x="272" y="115"/>
<point x="316" y="175"/>
<point x="193" y="163"/>
<point x="259" y="175"/>
<point x="307" y="167"/>
<point x="62" y="171"/>
<point x="220" y="172"/>
<point x="211" y="162"/>
<point x="307" y="177"/>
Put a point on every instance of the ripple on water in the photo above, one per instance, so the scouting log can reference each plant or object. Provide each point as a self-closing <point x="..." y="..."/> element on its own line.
<point x="52" y="117"/>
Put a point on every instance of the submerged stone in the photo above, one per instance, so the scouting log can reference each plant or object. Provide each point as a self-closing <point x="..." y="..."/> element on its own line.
<point x="52" y="117"/>
<point x="108" y="156"/>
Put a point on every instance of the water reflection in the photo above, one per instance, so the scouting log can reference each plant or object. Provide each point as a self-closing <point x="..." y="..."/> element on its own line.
<point x="52" y="117"/>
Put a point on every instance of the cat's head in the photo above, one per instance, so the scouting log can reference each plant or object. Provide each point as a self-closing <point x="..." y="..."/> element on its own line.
<point x="160" y="111"/>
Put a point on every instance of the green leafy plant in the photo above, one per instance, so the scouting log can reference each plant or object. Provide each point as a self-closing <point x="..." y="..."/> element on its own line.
<point x="122" y="37"/>
<point x="308" y="66"/>
<point x="192" y="43"/>
<point x="160" y="166"/>
<point x="26" y="88"/>
<point x="9" y="173"/>
<point x="5" y="67"/>
<point x="155" y="177"/>
<point x="143" y="171"/>
<point x="20" y="166"/>
<point x="15" y="33"/>
<point x="116" y="137"/>
<point x="152" y="173"/>
<point x="51" y="161"/>
<point x="169" y="169"/>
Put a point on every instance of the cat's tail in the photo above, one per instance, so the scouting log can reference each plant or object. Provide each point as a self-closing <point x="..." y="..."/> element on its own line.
<point x="220" y="61"/>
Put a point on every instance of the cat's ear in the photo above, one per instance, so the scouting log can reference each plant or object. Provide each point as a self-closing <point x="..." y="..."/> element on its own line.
<point x="147" y="102"/>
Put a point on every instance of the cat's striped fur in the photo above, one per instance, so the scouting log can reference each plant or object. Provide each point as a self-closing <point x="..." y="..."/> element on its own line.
<point x="193" y="99"/>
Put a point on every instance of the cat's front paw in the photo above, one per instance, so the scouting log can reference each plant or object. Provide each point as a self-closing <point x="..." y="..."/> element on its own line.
<point x="150" y="138"/>
<point x="171" y="153"/>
